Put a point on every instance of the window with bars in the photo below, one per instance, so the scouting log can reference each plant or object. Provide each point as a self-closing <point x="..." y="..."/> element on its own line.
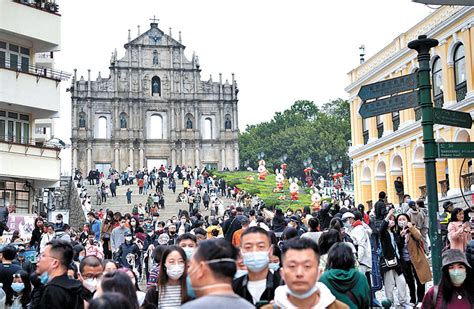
<point x="14" y="192"/>
<point x="460" y="73"/>
<point x="14" y="57"/>
<point x="437" y="82"/>
<point x="14" y="127"/>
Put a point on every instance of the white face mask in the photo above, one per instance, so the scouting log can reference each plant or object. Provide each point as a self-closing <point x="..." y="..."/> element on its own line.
<point x="128" y="238"/>
<point x="90" y="284"/>
<point x="175" y="271"/>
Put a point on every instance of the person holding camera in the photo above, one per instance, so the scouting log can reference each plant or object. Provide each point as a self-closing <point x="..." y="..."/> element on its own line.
<point x="459" y="232"/>
<point x="93" y="247"/>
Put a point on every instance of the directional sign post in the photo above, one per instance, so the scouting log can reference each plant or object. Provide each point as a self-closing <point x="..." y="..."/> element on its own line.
<point x="389" y="105"/>
<point x="456" y="150"/>
<point x="388" y="87"/>
<point x="452" y="118"/>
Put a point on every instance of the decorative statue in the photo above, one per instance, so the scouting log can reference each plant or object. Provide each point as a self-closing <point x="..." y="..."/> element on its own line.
<point x="155" y="57"/>
<point x="262" y="171"/>
<point x="189" y="123"/>
<point x="294" y="189"/>
<point x="156" y="86"/>
<point x="123" y="122"/>
<point x="279" y="180"/>
<point x="227" y="124"/>
<point x="82" y="121"/>
<point x="316" y="199"/>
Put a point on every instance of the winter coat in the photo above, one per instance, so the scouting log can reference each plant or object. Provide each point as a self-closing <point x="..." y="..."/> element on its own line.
<point x="416" y="252"/>
<point x="126" y="249"/>
<point x="349" y="286"/>
<point x="458" y="238"/>
<point x="62" y="292"/>
<point x="470" y="252"/>
<point x="361" y="240"/>
<point x="388" y="251"/>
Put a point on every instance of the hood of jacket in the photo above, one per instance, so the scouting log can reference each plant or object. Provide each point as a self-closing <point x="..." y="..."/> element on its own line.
<point x="63" y="281"/>
<point x="341" y="280"/>
<point x="325" y="297"/>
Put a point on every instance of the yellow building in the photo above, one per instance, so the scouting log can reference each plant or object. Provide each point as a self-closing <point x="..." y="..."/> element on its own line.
<point x="390" y="146"/>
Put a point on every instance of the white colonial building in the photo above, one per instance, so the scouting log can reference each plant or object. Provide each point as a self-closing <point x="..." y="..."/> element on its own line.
<point x="154" y="109"/>
<point x="29" y="99"/>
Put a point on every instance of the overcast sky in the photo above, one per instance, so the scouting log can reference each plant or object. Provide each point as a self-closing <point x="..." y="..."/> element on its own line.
<point x="280" y="51"/>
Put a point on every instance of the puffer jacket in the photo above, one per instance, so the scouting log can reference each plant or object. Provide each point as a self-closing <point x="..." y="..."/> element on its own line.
<point x="361" y="240"/>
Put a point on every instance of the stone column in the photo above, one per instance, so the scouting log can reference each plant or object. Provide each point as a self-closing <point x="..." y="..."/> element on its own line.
<point x="223" y="157"/>
<point x="236" y="155"/>
<point x="173" y="157"/>
<point x="183" y="153"/>
<point x="183" y="121"/>
<point x="196" y="156"/>
<point x="117" y="157"/>
<point x="74" y="157"/>
<point x="89" y="157"/>
<point x="130" y="156"/>
<point x="141" y="156"/>
<point x="235" y="124"/>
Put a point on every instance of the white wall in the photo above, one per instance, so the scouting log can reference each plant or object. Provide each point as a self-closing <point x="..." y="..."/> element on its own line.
<point x="27" y="91"/>
<point x="33" y="165"/>
<point x="42" y="28"/>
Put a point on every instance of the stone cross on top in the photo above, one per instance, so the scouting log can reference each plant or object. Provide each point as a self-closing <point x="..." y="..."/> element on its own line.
<point x="154" y="20"/>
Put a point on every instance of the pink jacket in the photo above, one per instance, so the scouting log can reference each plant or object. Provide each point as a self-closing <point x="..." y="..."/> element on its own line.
<point x="458" y="238"/>
<point x="94" y="250"/>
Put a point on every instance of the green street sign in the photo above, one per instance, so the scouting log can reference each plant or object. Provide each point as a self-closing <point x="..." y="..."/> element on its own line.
<point x="456" y="150"/>
<point x="388" y="87"/>
<point x="389" y="105"/>
<point x="452" y="118"/>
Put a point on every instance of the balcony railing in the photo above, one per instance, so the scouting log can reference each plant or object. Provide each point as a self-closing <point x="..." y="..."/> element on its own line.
<point x="49" y="6"/>
<point x="461" y="91"/>
<point x="38" y="71"/>
<point x="467" y="181"/>
<point x="444" y="184"/>
<point x="379" y="130"/>
<point x="438" y="100"/>
<point x="365" y="135"/>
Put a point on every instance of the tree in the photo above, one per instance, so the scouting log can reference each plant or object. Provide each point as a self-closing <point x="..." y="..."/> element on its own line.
<point x="303" y="131"/>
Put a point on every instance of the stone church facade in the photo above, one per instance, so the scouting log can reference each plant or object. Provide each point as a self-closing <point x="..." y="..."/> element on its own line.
<point x="154" y="109"/>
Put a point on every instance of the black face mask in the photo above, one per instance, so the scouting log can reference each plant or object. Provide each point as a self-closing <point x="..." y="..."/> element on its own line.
<point x="172" y="232"/>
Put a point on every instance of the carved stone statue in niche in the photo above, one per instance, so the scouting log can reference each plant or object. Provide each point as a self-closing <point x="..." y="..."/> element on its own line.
<point x="227" y="123"/>
<point x="155" y="57"/>
<point x="123" y="121"/>
<point x="82" y="121"/>
<point x="189" y="123"/>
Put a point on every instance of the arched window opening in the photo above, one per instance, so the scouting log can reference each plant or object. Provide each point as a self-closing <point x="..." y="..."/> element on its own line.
<point x="156" y="86"/>
<point x="82" y="120"/>
<point x="156" y="127"/>
<point x="228" y="122"/>
<point x="102" y="127"/>
<point x="208" y="128"/>
<point x="460" y="73"/>
<point x="437" y="81"/>
<point x="123" y="121"/>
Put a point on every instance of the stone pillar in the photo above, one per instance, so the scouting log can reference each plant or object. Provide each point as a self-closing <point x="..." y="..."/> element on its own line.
<point x="74" y="158"/>
<point x="183" y="153"/>
<point x="89" y="157"/>
<point x="235" y="123"/>
<point x="236" y="155"/>
<point x="223" y="157"/>
<point x="173" y="157"/>
<point x="183" y="121"/>
<point x="117" y="157"/>
<point x="88" y="83"/>
<point x="130" y="156"/>
<point x="196" y="156"/>
<point x="141" y="156"/>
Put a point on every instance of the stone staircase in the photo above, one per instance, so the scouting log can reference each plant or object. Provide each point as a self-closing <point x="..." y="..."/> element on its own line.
<point x="119" y="203"/>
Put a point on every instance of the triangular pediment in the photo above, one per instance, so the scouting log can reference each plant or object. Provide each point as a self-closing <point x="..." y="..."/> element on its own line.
<point x="154" y="37"/>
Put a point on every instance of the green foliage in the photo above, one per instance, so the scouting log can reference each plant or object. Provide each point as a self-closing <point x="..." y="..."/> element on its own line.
<point x="264" y="189"/>
<point x="301" y="132"/>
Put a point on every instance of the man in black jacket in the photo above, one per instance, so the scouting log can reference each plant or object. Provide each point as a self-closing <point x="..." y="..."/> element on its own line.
<point x="4" y="212"/>
<point x="59" y="291"/>
<point x="258" y="286"/>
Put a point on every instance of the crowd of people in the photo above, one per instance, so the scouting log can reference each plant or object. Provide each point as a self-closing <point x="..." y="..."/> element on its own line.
<point x="243" y="255"/>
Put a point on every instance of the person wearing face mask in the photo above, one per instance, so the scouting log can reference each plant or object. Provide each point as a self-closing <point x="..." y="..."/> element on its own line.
<point x="455" y="289"/>
<point x="172" y="235"/>
<point x="127" y="248"/>
<point x="105" y="231"/>
<point x="59" y="291"/>
<point x="412" y="257"/>
<point x="188" y="242"/>
<point x="300" y="271"/>
<point x="170" y="290"/>
<point x="391" y="265"/>
<point x="258" y="286"/>
<point x="210" y="274"/>
<point x="95" y="224"/>
<point x="7" y="270"/>
<point x="21" y="287"/>
<point x="361" y="240"/>
<point x="90" y="272"/>
<point x="47" y="237"/>
<point x="93" y="247"/>
<point x="117" y="237"/>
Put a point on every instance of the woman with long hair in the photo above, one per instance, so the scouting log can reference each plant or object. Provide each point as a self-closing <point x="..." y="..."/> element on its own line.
<point x="456" y="287"/>
<point x="170" y="290"/>
<point x="413" y="259"/>
<point x="105" y="231"/>
<point x="118" y="282"/>
<point x="37" y="233"/>
<point x="21" y="287"/>
<point x="459" y="232"/>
